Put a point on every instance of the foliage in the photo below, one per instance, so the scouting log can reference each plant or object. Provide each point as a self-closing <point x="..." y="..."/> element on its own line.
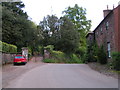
<point x="74" y="59"/>
<point x="12" y="48"/>
<point x="5" y="47"/>
<point x="49" y="29"/>
<point x="8" y="48"/>
<point x="95" y="50"/>
<point x="80" y="52"/>
<point x="61" y="57"/>
<point x="58" y="56"/>
<point x="41" y="50"/>
<point x="49" y="61"/>
<point x="0" y="46"/>
<point x="87" y="56"/>
<point x="102" y="57"/>
<point x="49" y="47"/>
<point x="68" y="41"/>
<point x="78" y="16"/>
<point x="95" y="53"/>
<point x="116" y="60"/>
<point x="17" y="29"/>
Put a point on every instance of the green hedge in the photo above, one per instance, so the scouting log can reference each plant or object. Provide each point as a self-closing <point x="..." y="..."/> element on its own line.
<point x="7" y="48"/>
<point x="116" y="60"/>
<point x="49" y="48"/>
<point x="0" y="46"/>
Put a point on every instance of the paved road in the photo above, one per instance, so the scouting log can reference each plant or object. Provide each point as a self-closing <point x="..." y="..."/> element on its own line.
<point x="63" y="76"/>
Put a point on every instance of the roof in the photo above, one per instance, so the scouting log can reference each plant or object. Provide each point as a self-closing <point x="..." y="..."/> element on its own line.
<point x="105" y="18"/>
<point x="89" y="34"/>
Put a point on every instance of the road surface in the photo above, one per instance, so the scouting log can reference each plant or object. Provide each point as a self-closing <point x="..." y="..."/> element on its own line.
<point x="63" y="76"/>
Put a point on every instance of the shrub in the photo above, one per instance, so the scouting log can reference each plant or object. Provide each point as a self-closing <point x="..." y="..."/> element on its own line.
<point x="95" y="50"/>
<point x="12" y="48"/>
<point x="29" y="52"/>
<point x="74" y="59"/>
<point x="5" y="47"/>
<point x="49" y="61"/>
<point x="8" y="48"/>
<point x="58" y="56"/>
<point x="116" y="60"/>
<point x="102" y="57"/>
<point x="49" y="47"/>
<point x="41" y="49"/>
<point x="0" y="46"/>
<point x="88" y="56"/>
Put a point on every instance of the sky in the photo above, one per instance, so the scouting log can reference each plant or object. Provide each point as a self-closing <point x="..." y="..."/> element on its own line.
<point x="37" y="9"/>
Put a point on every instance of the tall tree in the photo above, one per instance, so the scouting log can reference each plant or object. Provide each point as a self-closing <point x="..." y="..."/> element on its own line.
<point x="49" y="25"/>
<point x="16" y="28"/>
<point x="78" y="16"/>
<point x="68" y="37"/>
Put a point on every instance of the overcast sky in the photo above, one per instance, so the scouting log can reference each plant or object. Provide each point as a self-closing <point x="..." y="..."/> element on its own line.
<point x="37" y="9"/>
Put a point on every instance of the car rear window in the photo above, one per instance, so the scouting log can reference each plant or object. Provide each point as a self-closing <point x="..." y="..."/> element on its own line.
<point x="18" y="57"/>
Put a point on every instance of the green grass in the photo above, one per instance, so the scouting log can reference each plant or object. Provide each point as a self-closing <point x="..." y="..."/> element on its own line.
<point x="49" y="61"/>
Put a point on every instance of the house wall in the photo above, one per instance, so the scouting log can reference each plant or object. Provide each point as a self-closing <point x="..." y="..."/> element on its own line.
<point x="103" y="35"/>
<point x="90" y="38"/>
<point x="117" y="28"/>
<point x="110" y="35"/>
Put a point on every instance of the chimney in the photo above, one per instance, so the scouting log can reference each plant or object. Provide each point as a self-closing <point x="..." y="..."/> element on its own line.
<point x="118" y="3"/>
<point x="106" y="12"/>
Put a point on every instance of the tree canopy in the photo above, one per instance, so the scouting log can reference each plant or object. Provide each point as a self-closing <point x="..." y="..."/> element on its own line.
<point x="66" y="33"/>
<point x="16" y="28"/>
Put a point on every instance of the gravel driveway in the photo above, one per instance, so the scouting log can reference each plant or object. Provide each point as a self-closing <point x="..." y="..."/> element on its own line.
<point x="10" y="72"/>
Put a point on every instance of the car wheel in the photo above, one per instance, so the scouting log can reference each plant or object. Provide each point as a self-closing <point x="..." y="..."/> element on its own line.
<point x="14" y="64"/>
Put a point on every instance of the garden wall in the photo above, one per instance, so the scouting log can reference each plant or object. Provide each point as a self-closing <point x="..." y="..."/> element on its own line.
<point x="7" y="58"/>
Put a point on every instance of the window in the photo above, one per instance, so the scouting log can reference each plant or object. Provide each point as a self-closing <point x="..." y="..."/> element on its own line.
<point x="107" y="25"/>
<point x="109" y="49"/>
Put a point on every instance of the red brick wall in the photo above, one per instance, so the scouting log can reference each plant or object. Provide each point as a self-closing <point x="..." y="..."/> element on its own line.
<point x="105" y="36"/>
<point x="117" y="27"/>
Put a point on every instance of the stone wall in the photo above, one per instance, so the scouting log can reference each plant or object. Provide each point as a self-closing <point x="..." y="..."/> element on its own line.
<point x="46" y="54"/>
<point x="7" y="58"/>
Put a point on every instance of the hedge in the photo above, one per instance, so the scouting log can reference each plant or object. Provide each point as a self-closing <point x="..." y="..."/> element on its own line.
<point x="116" y="60"/>
<point x="7" y="48"/>
<point x="0" y="46"/>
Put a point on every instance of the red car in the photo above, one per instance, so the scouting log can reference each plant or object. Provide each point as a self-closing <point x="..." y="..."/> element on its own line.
<point x="19" y="59"/>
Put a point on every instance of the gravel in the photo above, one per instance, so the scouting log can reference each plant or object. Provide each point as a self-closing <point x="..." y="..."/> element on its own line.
<point x="10" y="72"/>
<point x="104" y="69"/>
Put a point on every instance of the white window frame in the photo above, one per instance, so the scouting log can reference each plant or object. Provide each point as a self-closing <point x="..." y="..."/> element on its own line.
<point x="109" y="49"/>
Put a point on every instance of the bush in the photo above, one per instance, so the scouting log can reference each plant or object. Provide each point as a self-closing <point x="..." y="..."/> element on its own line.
<point x="116" y="60"/>
<point x="41" y="49"/>
<point x="49" y="47"/>
<point x="58" y="56"/>
<point x="8" y="48"/>
<point x="0" y="46"/>
<point x="29" y="52"/>
<point x="102" y="57"/>
<point x="74" y="59"/>
<point x="88" y="56"/>
<point x="49" y="61"/>
<point x="12" y="48"/>
<point x="5" y="47"/>
<point x="95" y="50"/>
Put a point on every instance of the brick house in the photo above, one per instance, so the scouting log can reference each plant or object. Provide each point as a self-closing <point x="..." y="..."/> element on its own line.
<point x="107" y="33"/>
